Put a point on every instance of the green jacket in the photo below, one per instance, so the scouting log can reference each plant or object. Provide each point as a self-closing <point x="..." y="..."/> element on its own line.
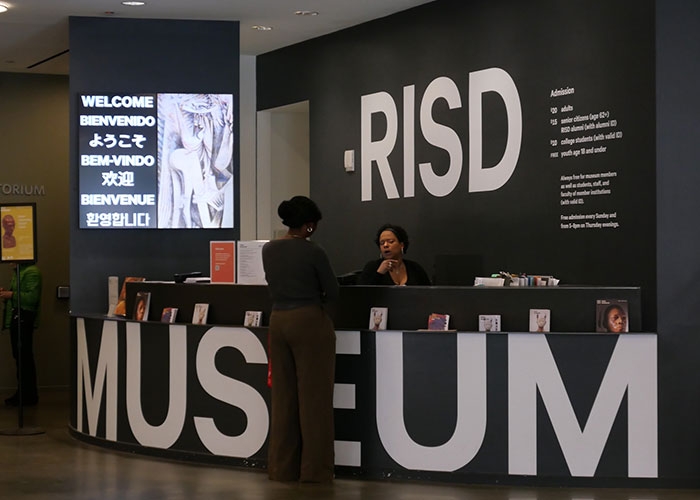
<point x="30" y="293"/>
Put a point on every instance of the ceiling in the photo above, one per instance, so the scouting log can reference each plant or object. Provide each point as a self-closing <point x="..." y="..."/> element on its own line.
<point x="34" y="33"/>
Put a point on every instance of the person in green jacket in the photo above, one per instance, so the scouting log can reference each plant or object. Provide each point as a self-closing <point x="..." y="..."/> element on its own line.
<point x="23" y="323"/>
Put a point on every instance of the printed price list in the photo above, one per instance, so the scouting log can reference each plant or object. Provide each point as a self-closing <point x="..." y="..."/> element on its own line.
<point x="576" y="134"/>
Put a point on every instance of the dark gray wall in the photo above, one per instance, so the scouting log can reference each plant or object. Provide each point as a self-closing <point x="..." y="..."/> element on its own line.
<point x="678" y="268"/>
<point x="543" y="46"/>
<point x="139" y="56"/>
<point x="643" y="56"/>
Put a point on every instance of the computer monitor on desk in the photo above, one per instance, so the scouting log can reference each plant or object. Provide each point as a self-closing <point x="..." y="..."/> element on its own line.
<point x="457" y="270"/>
<point x="349" y="278"/>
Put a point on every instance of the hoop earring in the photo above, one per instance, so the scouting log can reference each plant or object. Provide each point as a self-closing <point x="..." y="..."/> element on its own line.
<point x="309" y="229"/>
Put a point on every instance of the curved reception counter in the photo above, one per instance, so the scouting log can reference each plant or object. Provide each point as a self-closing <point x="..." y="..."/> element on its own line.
<point x="567" y="407"/>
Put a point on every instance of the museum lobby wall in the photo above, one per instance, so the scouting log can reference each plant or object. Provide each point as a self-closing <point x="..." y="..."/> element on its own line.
<point x="34" y="169"/>
<point x="662" y="247"/>
<point x="382" y="90"/>
<point x="500" y="129"/>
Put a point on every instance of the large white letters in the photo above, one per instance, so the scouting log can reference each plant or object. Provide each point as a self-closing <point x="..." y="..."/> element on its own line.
<point x="481" y="177"/>
<point x="632" y="368"/>
<point x="347" y="453"/>
<point x="441" y="136"/>
<point x="378" y="151"/>
<point x="164" y="435"/>
<point x="532" y="369"/>
<point x="471" y="405"/>
<point x="233" y="392"/>
<point x="106" y="375"/>
<point x="493" y="80"/>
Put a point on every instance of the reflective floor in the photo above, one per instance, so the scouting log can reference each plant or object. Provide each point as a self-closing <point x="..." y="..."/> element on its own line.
<point x="54" y="465"/>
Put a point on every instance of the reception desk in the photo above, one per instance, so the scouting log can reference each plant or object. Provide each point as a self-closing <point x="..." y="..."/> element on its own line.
<point x="567" y="407"/>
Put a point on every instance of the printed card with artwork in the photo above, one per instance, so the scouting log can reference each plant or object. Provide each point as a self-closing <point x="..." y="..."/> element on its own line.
<point x="199" y="316"/>
<point x="437" y="321"/>
<point x="168" y="315"/>
<point x="489" y="322"/>
<point x="611" y="316"/>
<point x="378" y="318"/>
<point x="120" y="308"/>
<point x="252" y="318"/>
<point x="540" y="320"/>
<point x="141" y="306"/>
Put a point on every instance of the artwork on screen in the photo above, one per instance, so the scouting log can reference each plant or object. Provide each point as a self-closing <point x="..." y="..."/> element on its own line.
<point x="18" y="232"/>
<point x="156" y="161"/>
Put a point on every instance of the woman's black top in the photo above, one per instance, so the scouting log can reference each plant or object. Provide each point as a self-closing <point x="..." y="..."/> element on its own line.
<point x="415" y="275"/>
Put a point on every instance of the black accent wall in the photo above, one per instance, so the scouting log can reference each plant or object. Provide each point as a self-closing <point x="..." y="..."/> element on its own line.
<point x="580" y="202"/>
<point x="638" y="57"/>
<point x="125" y="56"/>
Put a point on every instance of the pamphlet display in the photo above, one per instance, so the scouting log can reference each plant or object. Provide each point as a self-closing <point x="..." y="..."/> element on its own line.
<point x="222" y="261"/>
<point x="252" y="318"/>
<point x="489" y="322"/>
<point x="539" y="320"/>
<point x="612" y="316"/>
<point x="438" y="321"/>
<point x="120" y="310"/>
<point x="142" y="304"/>
<point x="168" y="315"/>
<point x="200" y="314"/>
<point x="378" y="318"/>
<point x="249" y="265"/>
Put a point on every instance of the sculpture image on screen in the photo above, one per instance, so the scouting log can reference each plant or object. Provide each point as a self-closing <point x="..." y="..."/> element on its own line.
<point x="195" y="175"/>
<point x="154" y="160"/>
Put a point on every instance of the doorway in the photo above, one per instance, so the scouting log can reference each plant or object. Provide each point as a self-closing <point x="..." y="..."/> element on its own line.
<point x="282" y="163"/>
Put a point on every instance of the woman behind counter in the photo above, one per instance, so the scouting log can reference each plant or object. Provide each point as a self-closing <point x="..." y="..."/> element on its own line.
<point x="392" y="268"/>
<point x="302" y="349"/>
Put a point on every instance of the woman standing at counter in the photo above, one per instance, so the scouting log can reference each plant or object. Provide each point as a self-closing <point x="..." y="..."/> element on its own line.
<point x="302" y="348"/>
<point x="392" y="268"/>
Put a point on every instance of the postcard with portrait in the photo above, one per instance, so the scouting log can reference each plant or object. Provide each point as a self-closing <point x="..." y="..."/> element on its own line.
<point x="378" y="318"/>
<point x="540" y="320"/>
<point x="611" y="316"/>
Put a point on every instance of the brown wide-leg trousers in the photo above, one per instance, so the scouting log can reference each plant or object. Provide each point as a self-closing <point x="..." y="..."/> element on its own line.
<point x="302" y="352"/>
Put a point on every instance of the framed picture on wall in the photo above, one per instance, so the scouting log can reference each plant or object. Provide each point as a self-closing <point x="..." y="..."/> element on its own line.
<point x="18" y="232"/>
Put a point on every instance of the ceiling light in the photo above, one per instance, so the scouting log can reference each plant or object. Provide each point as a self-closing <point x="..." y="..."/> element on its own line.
<point x="306" y="13"/>
<point x="134" y="4"/>
<point x="261" y="28"/>
<point x="4" y="8"/>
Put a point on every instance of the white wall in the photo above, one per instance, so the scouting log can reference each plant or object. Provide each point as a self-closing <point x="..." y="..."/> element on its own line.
<point x="283" y="163"/>
<point x="248" y="182"/>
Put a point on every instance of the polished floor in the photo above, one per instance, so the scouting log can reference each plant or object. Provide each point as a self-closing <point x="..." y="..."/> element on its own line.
<point x="52" y="465"/>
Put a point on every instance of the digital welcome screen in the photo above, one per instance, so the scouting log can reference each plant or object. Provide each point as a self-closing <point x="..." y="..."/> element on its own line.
<point x="152" y="161"/>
